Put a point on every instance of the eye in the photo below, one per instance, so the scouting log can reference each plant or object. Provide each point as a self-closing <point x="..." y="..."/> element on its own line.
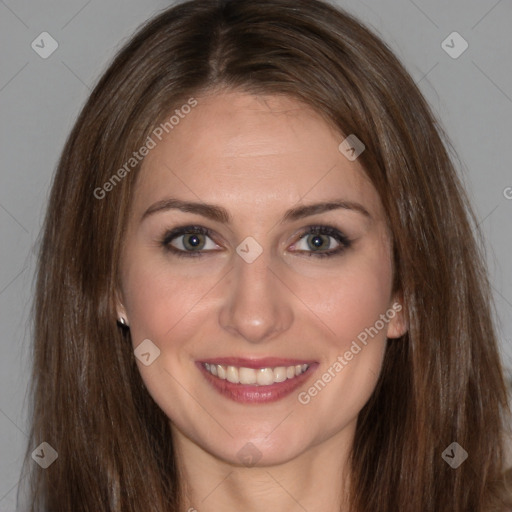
<point x="320" y="240"/>
<point x="188" y="241"/>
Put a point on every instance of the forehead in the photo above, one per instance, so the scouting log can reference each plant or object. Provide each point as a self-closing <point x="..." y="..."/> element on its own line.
<point x="252" y="151"/>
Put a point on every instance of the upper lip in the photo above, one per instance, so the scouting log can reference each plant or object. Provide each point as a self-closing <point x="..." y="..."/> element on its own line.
<point x="265" y="362"/>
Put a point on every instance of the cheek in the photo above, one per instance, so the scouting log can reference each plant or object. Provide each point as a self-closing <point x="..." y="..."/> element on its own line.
<point x="353" y="297"/>
<point x="155" y="299"/>
<point x="352" y="308"/>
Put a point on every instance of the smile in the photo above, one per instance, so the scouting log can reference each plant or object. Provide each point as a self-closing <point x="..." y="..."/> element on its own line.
<point x="251" y="376"/>
<point x="250" y="381"/>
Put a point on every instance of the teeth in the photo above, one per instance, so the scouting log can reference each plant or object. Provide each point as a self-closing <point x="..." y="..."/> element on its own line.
<point x="265" y="376"/>
<point x="250" y="376"/>
<point x="221" y="371"/>
<point x="280" y="374"/>
<point x="247" y="375"/>
<point x="232" y="375"/>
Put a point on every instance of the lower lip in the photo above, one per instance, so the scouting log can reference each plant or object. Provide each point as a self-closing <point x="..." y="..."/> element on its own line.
<point x="250" y="394"/>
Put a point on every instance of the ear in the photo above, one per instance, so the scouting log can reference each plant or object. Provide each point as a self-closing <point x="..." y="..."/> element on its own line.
<point x="397" y="325"/>
<point x="120" y="309"/>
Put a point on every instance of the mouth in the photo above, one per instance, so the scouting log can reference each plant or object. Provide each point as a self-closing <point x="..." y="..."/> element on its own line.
<point x="256" y="381"/>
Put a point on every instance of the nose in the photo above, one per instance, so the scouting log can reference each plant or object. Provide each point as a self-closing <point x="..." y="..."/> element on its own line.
<point x="258" y="305"/>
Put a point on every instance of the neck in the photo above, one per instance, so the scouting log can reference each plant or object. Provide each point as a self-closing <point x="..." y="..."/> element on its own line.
<point x="313" y="481"/>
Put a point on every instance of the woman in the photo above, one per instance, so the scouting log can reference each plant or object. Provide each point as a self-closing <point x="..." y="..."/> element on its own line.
<point x="258" y="283"/>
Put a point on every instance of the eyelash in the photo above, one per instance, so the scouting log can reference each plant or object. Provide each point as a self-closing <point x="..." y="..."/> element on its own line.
<point x="169" y="236"/>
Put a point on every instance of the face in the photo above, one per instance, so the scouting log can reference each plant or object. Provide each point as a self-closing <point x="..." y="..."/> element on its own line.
<point x="256" y="279"/>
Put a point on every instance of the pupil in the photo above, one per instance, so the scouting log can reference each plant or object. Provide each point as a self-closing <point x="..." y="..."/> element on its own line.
<point x="317" y="241"/>
<point x="193" y="241"/>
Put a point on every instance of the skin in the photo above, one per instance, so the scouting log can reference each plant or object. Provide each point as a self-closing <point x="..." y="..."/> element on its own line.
<point x="257" y="157"/>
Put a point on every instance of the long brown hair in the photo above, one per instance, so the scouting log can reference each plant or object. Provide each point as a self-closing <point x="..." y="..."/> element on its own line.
<point x="442" y="382"/>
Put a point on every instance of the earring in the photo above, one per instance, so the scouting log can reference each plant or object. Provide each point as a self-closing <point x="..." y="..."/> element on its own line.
<point x="121" y="321"/>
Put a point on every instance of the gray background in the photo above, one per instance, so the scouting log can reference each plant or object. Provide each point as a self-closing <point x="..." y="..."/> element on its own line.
<point x="40" y="99"/>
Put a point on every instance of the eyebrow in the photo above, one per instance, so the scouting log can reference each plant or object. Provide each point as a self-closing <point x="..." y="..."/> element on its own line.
<point x="220" y="214"/>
